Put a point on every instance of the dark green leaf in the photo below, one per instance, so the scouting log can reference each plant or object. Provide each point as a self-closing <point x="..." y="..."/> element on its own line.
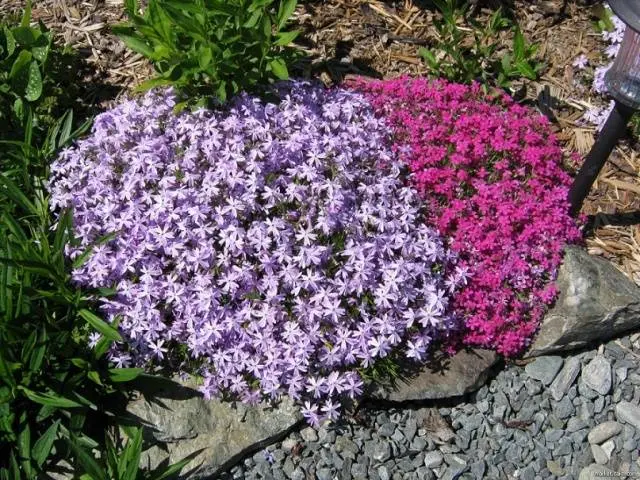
<point x="11" y="42"/>
<point x="118" y="375"/>
<point x="42" y="447"/>
<point x="6" y="374"/>
<point x="86" y="460"/>
<point x="26" y="16"/>
<point x="518" y="45"/>
<point x="133" y="41"/>
<point x="24" y="445"/>
<point x="34" y="83"/>
<point x="100" y="325"/>
<point x="279" y="68"/>
<point x="24" y="36"/>
<point x="526" y="70"/>
<point x="21" y="63"/>
<point x="37" y="357"/>
<point x="49" y="399"/>
<point x="287" y="7"/>
<point x="15" y="194"/>
<point x="132" y="455"/>
<point x="253" y="19"/>
<point x="285" y="38"/>
<point x="206" y="55"/>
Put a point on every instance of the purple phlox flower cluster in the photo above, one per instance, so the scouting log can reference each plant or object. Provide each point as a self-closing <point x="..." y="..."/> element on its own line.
<point x="581" y="62"/>
<point x="276" y="243"/>
<point x="598" y="115"/>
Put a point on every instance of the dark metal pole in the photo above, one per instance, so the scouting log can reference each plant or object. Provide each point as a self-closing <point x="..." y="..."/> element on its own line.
<point x="614" y="128"/>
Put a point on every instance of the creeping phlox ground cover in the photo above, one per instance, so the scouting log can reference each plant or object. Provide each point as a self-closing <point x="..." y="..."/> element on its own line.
<point x="490" y="172"/>
<point x="274" y="247"/>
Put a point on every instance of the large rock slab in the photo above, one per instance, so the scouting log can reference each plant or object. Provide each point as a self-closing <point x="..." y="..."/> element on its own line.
<point x="465" y="372"/>
<point x="596" y="303"/>
<point x="179" y="421"/>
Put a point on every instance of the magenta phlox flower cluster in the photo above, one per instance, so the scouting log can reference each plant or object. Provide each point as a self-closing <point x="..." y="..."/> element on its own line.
<point x="277" y="242"/>
<point x="490" y="172"/>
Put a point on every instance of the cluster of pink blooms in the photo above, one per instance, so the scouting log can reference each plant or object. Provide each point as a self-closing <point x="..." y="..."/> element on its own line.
<point x="276" y="243"/>
<point x="490" y="173"/>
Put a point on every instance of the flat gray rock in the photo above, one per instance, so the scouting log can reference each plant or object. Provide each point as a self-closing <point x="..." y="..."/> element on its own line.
<point x="628" y="413"/>
<point x="596" y="303"/>
<point x="179" y="421"/>
<point x="603" y="432"/>
<point x="544" y="368"/>
<point x="463" y="373"/>
<point x="597" y="375"/>
<point x="563" y="381"/>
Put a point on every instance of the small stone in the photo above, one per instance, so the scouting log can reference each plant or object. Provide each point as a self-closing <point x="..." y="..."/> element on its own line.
<point x="308" y="434"/>
<point x="628" y="413"/>
<point x="621" y="374"/>
<point x="298" y="474"/>
<point x="575" y="423"/>
<point x="514" y="453"/>
<point x="599" y="454"/>
<point x="555" y="468"/>
<point x="634" y="378"/>
<point x="483" y="406"/>
<point x="579" y="437"/>
<point x="398" y="437"/>
<point x="586" y="410"/>
<point x="604" y="432"/>
<point x="608" y="447"/>
<point x="565" y="447"/>
<point x="324" y="474"/>
<point x="527" y="473"/>
<point x="544" y="369"/>
<point x="593" y="471"/>
<point x="359" y="471"/>
<point x="387" y="429"/>
<point x="425" y="473"/>
<point x="629" y="445"/>
<point x="597" y="375"/>
<point x="383" y="472"/>
<point x="455" y="467"/>
<point x="381" y="452"/>
<point x="345" y="446"/>
<point x="586" y="391"/>
<point x="462" y="439"/>
<point x="564" y="408"/>
<point x="598" y="405"/>
<point x="563" y="381"/>
<point x="418" y="444"/>
<point x="410" y="429"/>
<point x="477" y="469"/>
<point x="532" y="386"/>
<point x="433" y="459"/>
<point x="553" y="435"/>
<point x="346" y="468"/>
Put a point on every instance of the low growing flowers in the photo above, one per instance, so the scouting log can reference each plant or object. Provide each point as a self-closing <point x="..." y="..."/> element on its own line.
<point x="490" y="173"/>
<point x="275" y="244"/>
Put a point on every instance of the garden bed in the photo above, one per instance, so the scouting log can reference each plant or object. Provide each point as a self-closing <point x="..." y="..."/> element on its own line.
<point x="264" y="274"/>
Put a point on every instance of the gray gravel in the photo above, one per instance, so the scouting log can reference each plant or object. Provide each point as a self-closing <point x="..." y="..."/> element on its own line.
<point x="570" y="417"/>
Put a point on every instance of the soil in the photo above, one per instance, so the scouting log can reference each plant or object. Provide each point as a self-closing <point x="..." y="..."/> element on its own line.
<point x="381" y="39"/>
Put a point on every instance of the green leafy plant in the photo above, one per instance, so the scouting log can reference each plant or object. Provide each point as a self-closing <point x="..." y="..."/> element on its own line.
<point x="24" y="52"/>
<point x="468" y="51"/>
<point x="212" y="48"/>
<point x="122" y="459"/>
